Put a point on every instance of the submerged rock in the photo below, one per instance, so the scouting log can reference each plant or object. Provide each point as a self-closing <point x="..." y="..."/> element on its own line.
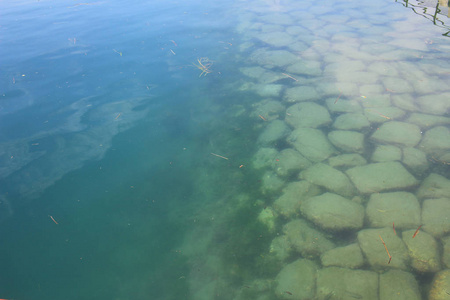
<point x="273" y="58"/>
<point x="268" y="217"/>
<point x="379" y="177"/>
<point x="301" y="93"/>
<point x="290" y="161"/>
<point x="264" y="157"/>
<point x="341" y="283"/>
<point x="372" y="246"/>
<point x="347" y="141"/>
<point x="307" y="114"/>
<point x="269" y="109"/>
<point x="311" y="143"/>
<point x="396" y="84"/>
<point x="347" y="160"/>
<point x="351" y="121"/>
<point x="331" y="211"/>
<point x="400" y="207"/>
<point x="330" y="178"/>
<point x="348" y="257"/>
<point x="297" y="280"/>
<point x="404" y="134"/>
<point x="415" y="160"/>
<point x="425" y="121"/>
<point x="277" y="39"/>
<point x="436" y="104"/>
<point x="271" y="183"/>
<point x="288" y="204"/>
<point x="306" y="240"/>
<point x="436" y="141"/>
<point x="440" y="286"/>
<point x="423" y="250"/>
<point x="338" y="105"/>
<point x="383" y="114"/>
<point x="435" y="216"/>
<point x="399" y="285"/>
<point x="268" y="90"/>
<point x="385" y="153"/>
<point x="308" y="68"/>
<point x="446" y="251"/>
<point x="280" y="247"/>
<point x="434" y="186"/>
<point x="275" y="131"/>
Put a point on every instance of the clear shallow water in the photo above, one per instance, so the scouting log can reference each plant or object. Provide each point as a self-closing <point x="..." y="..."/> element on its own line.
<point x="107" y="127"/>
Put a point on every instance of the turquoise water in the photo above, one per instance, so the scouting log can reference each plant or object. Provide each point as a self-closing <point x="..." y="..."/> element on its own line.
<point x="128" y="133"/>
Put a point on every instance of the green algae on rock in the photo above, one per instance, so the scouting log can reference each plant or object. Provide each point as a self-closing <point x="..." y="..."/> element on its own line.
<point x="342" y="283"/>
<point x="399" y="285"/>
<point x="333" y="212"/>
<point x="297" y="280"/>
<point x="379" y="177"/>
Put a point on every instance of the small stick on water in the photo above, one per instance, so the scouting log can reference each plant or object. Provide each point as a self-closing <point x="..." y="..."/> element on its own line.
<point x="219" y="156"/>
<point x="53" y="219"/>
<point x="264" y="119"/>
<point x="338" y="98"/>
<point x="417" y="231"/>
<point x="387" y="251"/>
<point x="393" y="227"/>
<point x="290" y="76"/>
<point x="381" y="115"/>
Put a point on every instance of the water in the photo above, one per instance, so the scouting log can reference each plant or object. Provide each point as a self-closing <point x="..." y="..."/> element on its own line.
<point x="129" y="135"/>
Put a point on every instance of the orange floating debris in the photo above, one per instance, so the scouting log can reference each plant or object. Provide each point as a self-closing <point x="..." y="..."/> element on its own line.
<point x="262" y="117"/>
<point x="417" y="231"/>
<point x="387" y="251"/>
<point x="290" y="76"/>
<point x="219" y="156"/>
<point x="53" y="221"/>
<point x="338" y="98"/>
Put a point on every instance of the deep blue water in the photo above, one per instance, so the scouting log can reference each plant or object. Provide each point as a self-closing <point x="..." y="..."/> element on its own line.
<point x="97" y="132"/>
<point x="108" y="188"/>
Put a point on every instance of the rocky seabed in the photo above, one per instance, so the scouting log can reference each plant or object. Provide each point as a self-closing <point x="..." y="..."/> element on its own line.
<point x="354" y="148"/>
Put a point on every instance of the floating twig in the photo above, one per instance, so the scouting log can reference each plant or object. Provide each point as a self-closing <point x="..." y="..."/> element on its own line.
<point x="338" y="98"/>
<point x="290" y="76"/>
<point x="380" y="114"/>
<point x="417" y="231"/>
<point x="264" y="119"/>
<point x="53" y="219"/>
<point x="204" y="64"/>
<point x="219" y="156"/>
<point x="393" y="227"/>
<point x="387" y="251"/>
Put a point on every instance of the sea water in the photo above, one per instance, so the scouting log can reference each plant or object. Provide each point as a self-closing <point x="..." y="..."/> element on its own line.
<point x="129" y="133"/>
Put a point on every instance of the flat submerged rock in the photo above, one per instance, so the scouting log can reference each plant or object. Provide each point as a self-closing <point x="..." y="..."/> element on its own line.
<point x="404" y="134"/>
<point x="330" y="178"/>
<point x="298" y="278"/>
<point x="331" y="211"/>
<point x="311" y="143"/>
<point x="342" y="283"/>
<point x="379" y="177"/>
